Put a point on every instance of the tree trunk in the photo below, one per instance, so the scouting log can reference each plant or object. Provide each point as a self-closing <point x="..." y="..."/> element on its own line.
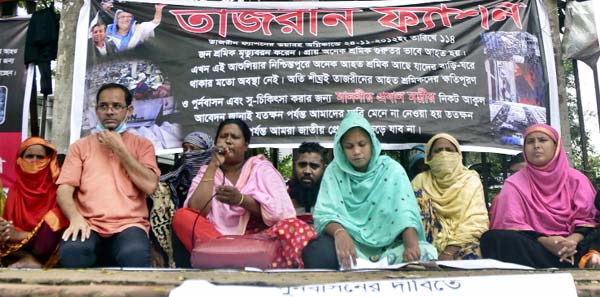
<point x="64" y="74"/>
<point x="551" y="8"/>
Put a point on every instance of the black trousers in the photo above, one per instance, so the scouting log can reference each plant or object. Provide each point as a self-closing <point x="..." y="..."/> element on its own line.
<point x="129" y="248"/>
<point x="520" y="247"/>
<point x="320" y="253"/>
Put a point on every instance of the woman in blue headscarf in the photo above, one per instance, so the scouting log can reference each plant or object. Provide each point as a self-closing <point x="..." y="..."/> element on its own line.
<point x="197" y="149"/>
<point x="173" y="188"/>
<point x="366" y="207"/>
<point x="127" y="34"/>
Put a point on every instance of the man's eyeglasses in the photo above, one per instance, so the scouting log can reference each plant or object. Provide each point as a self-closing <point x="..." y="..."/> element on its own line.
<point x="116" y="107"/>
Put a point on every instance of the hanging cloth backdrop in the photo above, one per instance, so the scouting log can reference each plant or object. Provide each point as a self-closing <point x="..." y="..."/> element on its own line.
<point x="480" y="70"/>
<point x="15" y="88"/>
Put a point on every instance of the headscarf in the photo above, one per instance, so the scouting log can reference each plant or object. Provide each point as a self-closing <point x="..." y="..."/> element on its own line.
<point x="552" y="199"/>
<point x="181" y="178"/>
<point x="456" y="195"/>
<point x="113" y="31"/>
<point x="373" y="206"/>
<point x="33" y="195"/>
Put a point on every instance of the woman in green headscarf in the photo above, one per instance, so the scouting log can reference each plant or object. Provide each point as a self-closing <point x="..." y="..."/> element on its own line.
<point x="366" y="207"/>
<point x="451" y="200"/>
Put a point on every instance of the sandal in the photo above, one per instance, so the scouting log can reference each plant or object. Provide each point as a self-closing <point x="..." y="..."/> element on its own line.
<point x="590" y="260"/>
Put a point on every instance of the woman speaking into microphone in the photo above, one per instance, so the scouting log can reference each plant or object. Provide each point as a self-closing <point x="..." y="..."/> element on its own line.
<point x="233" y="195"/>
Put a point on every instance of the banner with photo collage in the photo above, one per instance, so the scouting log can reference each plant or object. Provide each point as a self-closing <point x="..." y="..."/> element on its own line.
<point x="479" y="70"/>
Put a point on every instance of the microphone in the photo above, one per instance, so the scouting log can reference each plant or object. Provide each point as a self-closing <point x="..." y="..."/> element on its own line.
<point x="219" y="149"/>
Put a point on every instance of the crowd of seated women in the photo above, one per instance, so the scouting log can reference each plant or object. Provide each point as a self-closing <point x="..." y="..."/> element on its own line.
<point x="367" y="207"/>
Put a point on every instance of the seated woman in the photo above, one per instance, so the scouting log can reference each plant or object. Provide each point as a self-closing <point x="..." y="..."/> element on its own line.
<point x="173" y="188"/>
<point x="366" y="207"/>
<point x="544" y="210"/>
<point x="32" y="223"/>
<point x="451" y="200"/>
<point x="234" y="196"/>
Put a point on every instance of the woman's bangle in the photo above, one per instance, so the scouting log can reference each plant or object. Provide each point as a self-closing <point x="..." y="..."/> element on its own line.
<point x="338" y="231"/>
<point x="448" y="253"/>
<point x="207" y="180"/>
<point x="241" y="201"/>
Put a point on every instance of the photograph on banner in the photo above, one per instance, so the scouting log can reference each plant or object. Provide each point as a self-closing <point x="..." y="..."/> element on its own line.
<point x="475" y="69"/>
<point x="13" y="94"/>
<point x="112" y="32"/>
<point x="151" y="99"/>
<point x="517" y="84"/>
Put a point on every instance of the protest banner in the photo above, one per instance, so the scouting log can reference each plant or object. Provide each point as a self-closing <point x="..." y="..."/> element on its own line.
<point x="480" y="70"/>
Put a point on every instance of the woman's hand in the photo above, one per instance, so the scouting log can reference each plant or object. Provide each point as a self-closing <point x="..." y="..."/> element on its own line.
<point x="218" y="155"/>
<point x="569" y="247"/>
<point x="562" y="247"/>
<point x="344" y="249"/>
<point x="449" y="253"/>
<point x="107" y="5"/>
<point x="5" y="230"/>
<point x="412" y="252"/>
<point x="228" y="194"/>
<point x="550" y="243"/>
<point x="445" y="256"/>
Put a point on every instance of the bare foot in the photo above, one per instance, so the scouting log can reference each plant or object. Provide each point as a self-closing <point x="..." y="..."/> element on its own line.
<point x="28" y="261"/>
<point x="593" y="262"/>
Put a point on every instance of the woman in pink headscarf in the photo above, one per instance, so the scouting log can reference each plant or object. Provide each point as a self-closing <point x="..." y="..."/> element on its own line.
<point x="544" y="210"/>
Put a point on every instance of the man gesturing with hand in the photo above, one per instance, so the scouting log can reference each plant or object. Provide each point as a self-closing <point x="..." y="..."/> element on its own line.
<point x="103" y="187"/>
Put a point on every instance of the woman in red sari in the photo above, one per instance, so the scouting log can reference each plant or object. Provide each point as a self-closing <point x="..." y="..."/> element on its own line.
<point x="31" y="224"/>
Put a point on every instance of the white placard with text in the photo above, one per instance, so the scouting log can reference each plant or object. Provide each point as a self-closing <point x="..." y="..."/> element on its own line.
<point x="547" y="284"/>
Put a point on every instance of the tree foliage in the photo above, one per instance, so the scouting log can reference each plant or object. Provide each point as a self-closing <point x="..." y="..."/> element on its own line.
<point x="576" y="157"/>
<point x="285" y="166"/>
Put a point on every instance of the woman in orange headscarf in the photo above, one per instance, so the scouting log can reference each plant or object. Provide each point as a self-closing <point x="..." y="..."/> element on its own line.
<point x="31" y="224"/>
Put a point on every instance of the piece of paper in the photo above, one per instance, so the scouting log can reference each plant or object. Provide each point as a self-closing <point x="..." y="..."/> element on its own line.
<point x="458" y="264"/>
<point x="362" y="264"/>
<point x="482" y="264"/>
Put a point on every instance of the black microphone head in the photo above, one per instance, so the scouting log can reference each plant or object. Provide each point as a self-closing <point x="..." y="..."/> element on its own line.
<point x="220" y="150"/>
